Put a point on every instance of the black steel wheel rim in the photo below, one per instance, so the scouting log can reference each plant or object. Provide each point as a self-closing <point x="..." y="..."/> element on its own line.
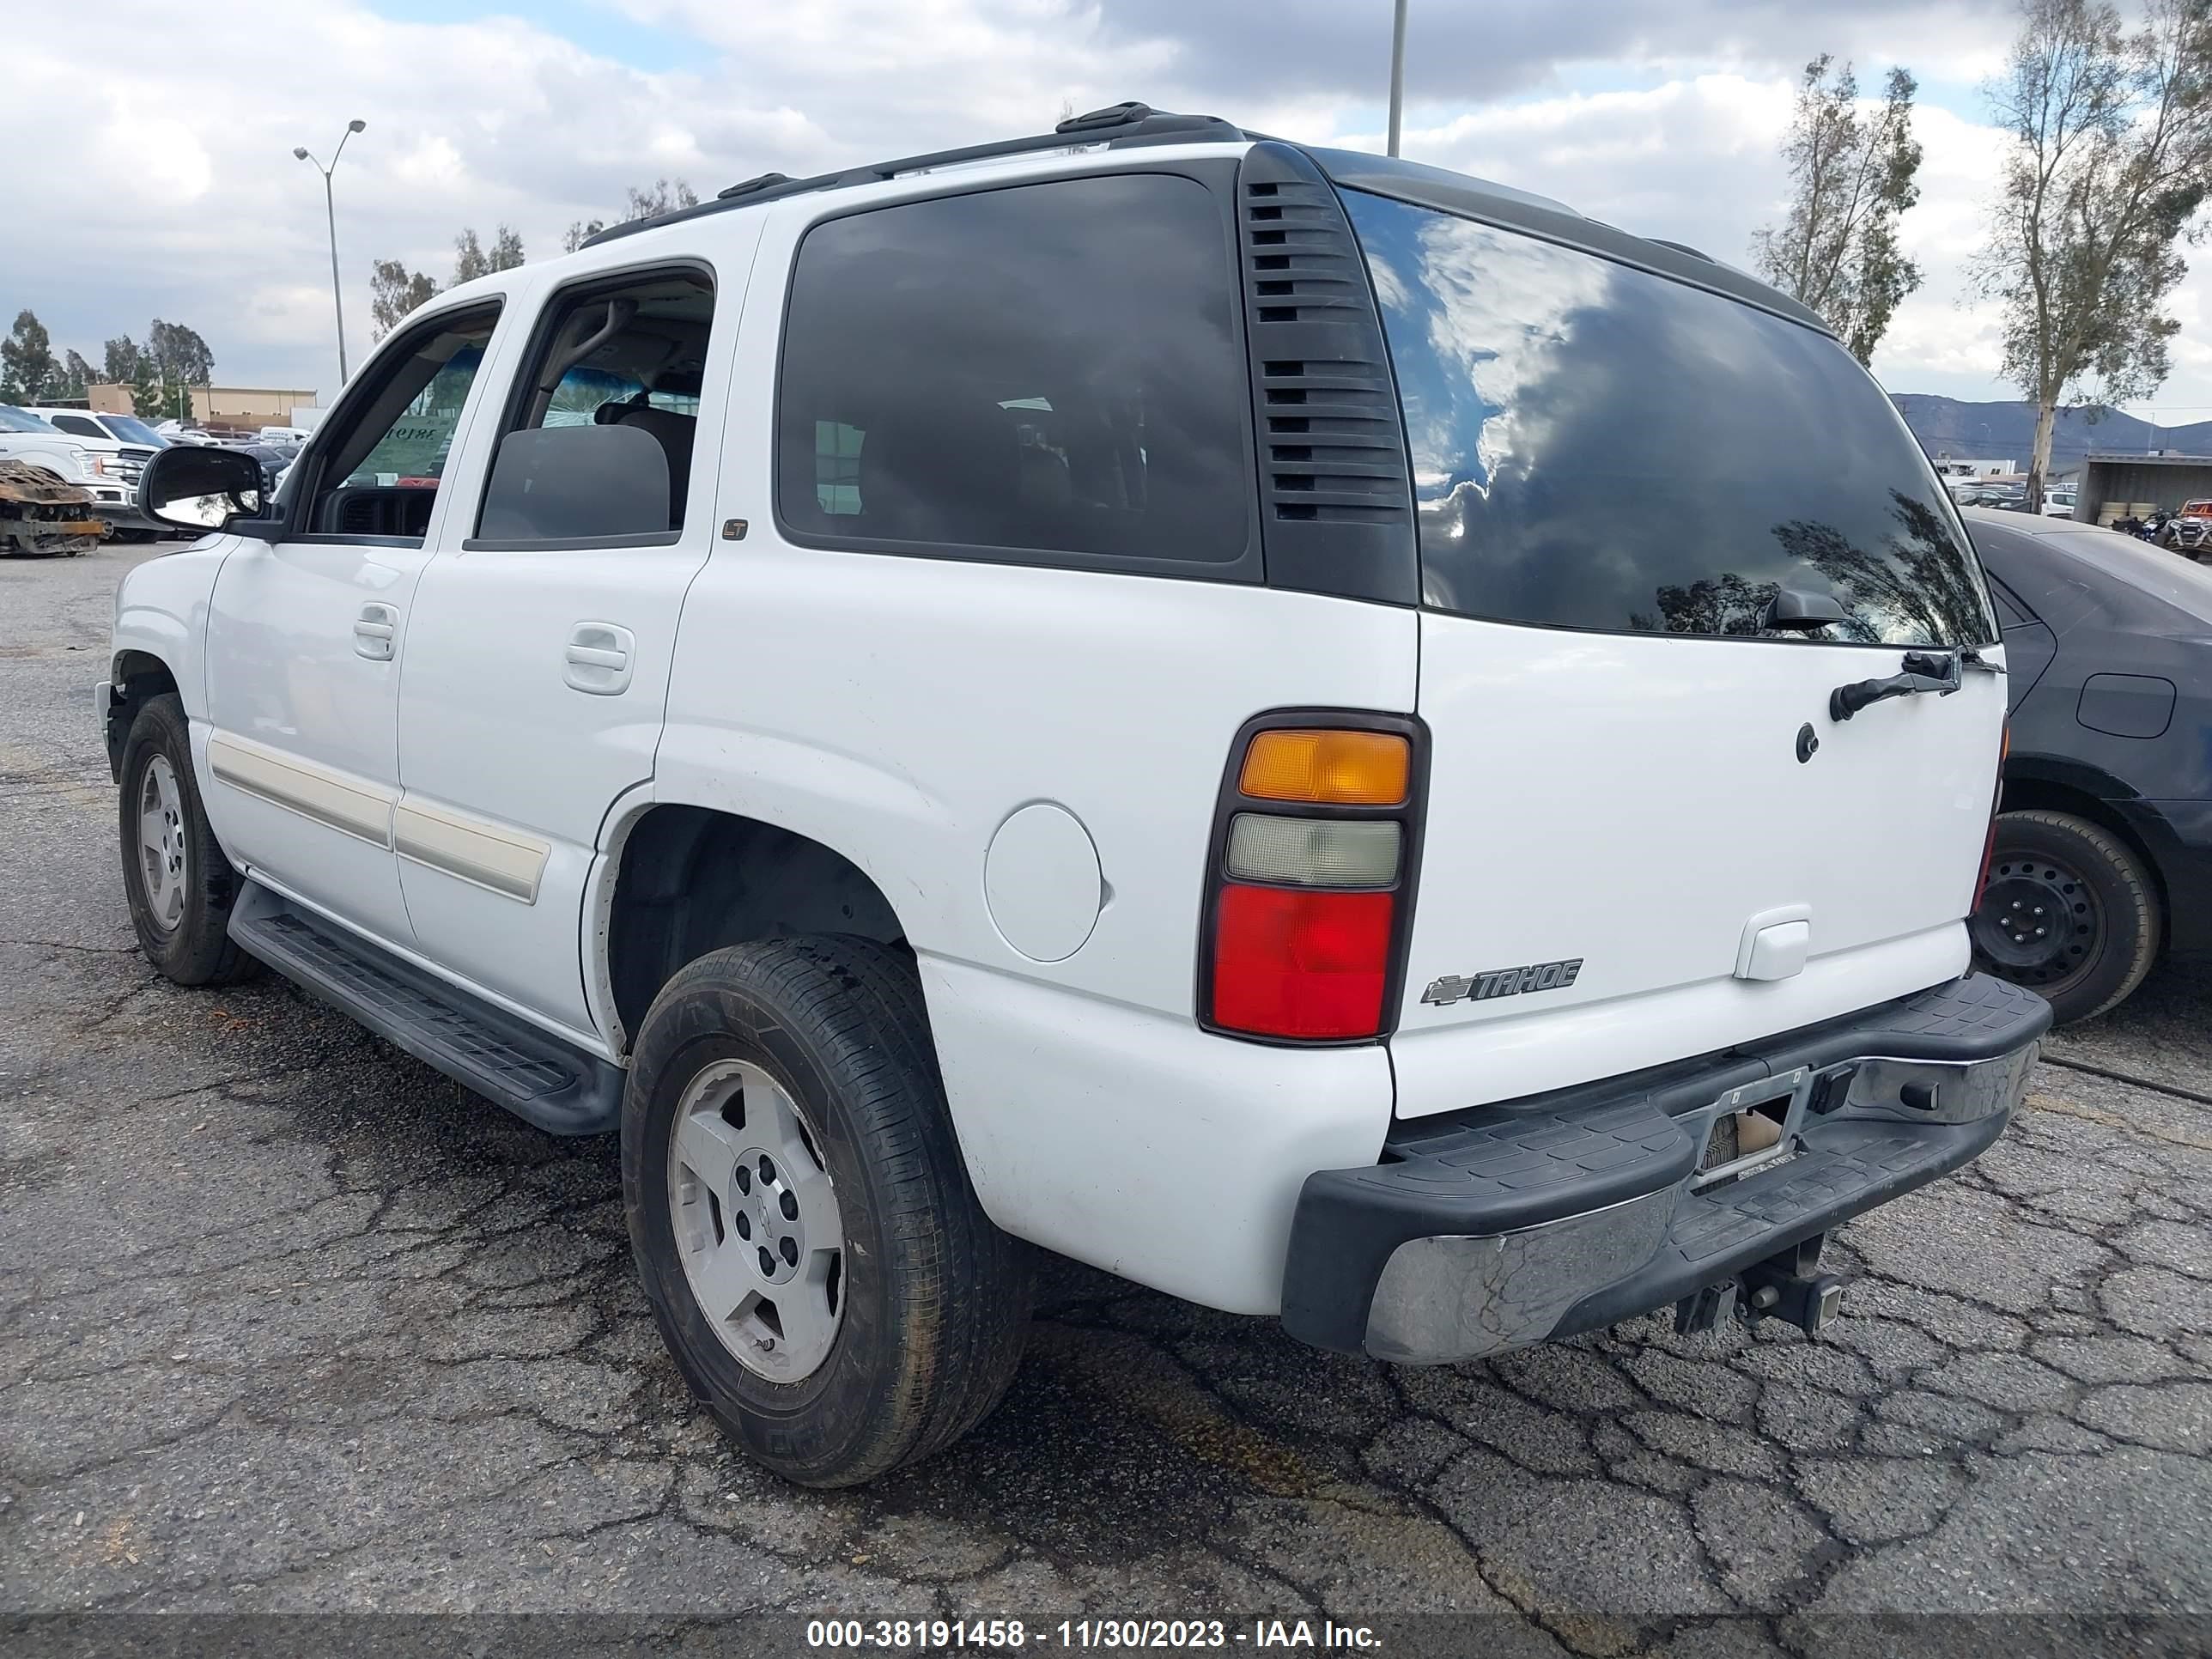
<point x="2039" y="921"/>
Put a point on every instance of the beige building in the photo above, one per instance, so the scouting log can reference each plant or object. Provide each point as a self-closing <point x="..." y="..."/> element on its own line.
<point x="251" y="407"/>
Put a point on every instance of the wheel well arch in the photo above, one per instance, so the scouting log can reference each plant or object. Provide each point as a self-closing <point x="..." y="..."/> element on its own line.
<point x="2034" y="793"/>
<point x="692" y="879"/>
<point x="134" y="678"/>
<point x="133" y="667"/>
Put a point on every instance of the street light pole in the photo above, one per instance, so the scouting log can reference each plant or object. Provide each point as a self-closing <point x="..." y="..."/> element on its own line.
<point x="1397" y="72"/>
<point x="330" y="215"/>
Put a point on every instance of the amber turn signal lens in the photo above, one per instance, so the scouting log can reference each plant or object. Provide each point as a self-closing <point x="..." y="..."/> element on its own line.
<point x="1333" y="768"/>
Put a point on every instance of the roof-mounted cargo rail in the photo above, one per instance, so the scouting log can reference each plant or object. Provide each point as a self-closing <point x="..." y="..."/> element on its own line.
<point x="1117" y="126"/>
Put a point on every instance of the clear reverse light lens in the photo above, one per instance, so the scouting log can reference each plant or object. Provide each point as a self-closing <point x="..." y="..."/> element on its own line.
<point x="1312" y="852"/>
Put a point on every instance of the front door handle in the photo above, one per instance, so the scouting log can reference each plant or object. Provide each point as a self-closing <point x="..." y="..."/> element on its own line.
<point x="373" y="631"/>
<point x="598" y="659"/>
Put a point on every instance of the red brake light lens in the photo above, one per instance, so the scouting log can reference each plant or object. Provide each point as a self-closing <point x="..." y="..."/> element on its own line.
<point x="1309" y="964"/>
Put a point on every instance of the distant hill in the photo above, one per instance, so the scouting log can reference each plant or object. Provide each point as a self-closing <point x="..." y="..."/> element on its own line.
<point x="1946" y="425"/>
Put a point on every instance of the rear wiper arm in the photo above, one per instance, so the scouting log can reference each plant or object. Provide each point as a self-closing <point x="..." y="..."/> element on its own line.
<point x="1924" y="671"/>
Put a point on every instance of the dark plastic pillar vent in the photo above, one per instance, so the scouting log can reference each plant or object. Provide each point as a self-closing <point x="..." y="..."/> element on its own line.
<point x="1335" y="496"/>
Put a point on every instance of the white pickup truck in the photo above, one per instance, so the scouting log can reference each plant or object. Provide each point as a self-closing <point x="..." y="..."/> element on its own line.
<point x="1147" y="692"/>
<point x="116" y="450"/>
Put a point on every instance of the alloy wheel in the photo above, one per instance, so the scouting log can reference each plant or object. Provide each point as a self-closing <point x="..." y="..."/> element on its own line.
<point x="164" y="863"/>
<point x="757" y="1222"/>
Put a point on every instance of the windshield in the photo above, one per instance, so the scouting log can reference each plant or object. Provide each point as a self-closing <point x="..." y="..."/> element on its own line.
<point x="132" y="430"/>
<point x="1598" y="447"/>
<point x="13" y="419"/>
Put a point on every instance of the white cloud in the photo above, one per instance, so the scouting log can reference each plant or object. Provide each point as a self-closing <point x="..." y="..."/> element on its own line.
<point x="179" y="197"/>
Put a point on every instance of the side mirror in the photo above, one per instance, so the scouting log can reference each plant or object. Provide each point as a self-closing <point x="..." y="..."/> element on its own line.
<point x="1800" y="610"/>
<point x="194" y="487"/>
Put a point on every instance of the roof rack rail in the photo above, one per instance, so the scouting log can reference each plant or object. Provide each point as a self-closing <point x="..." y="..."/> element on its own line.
<point x="751" y="184"/>
<point x="1128" y="123"/>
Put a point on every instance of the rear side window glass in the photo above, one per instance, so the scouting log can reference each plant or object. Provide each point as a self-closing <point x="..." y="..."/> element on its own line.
<point x="1047" y="371"/>
<point x="1598" y="447"/>
<point x="596" y="445"/>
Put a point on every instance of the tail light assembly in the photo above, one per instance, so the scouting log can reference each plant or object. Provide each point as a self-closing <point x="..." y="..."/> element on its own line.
<point x="1310" y="877"/>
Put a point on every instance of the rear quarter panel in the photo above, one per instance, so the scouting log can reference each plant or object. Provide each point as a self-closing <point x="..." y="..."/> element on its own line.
<point x="900" y="710"/>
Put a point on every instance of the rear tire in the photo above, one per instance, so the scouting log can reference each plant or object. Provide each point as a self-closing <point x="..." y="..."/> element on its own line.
<point x="925" y="1301"/>
<point x="180" y="886"/>
<point x="2095" y="904"/>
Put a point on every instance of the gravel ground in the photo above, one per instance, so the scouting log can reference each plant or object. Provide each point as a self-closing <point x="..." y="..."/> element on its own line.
<point x="288" y="1321"/>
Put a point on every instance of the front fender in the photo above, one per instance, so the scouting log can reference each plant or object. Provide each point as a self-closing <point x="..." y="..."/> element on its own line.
<point x="162" y="612"/>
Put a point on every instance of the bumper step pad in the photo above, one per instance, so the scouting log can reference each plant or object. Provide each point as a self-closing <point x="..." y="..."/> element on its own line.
<point x="1846" y="1168"/>
<point x="1630" y="1145"/>
<point x="560" y="1089"/>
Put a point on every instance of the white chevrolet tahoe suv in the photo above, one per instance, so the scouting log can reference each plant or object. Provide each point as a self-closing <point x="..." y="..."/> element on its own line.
<point x="1335" y="741"/>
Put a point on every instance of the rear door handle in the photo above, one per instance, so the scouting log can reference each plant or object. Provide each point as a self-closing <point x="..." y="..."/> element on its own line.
<point x="373" y="631"/>
<point x="597" y="659"/>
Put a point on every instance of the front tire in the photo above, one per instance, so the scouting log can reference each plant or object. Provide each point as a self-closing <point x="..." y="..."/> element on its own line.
<point x="180" y="886"/>
<point x="2070" y="912"/>
<point x="810" y="1243"/>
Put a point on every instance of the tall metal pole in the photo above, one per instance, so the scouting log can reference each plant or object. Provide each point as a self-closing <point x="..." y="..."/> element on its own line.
<point x="330" y="215"/>
<point x="337" y="297"/>
<point x="1397" y="72"/>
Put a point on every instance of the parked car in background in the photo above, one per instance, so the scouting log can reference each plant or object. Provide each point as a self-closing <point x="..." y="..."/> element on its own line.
<point x="2059" y="503"/>
<point x="45" y="489"/>
<point x="288" y="436"/>
<point x="275" y="458"/>
<point x="114" y="466"/>
<point x="40" y="515"/>
<point x="25" y="437"/>
<point x="2001" y="497"/>
<point x="2103" y="842"/>
<point x="92" y="423"/>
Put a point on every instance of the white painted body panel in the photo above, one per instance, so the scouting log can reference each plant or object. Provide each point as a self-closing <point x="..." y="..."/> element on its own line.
<point x="286" y="675"/>
<point x="1635" y="800"/>
<point x="68" y="458"/>
<point x="901" y="710"/>
<point x="1129" y="1139"/>
<point x="162" y="610"/>
<point x="492" y="733"/>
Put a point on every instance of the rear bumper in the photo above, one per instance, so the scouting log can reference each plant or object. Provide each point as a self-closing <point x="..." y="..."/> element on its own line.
<point x="1507" y="1225"/>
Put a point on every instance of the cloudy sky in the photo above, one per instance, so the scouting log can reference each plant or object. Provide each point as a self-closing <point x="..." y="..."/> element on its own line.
<point x="159" y="180"/>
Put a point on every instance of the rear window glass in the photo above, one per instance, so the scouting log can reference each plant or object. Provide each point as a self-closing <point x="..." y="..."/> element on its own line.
<point x="1053" y="372"/>
<point x="1598" y="447"/>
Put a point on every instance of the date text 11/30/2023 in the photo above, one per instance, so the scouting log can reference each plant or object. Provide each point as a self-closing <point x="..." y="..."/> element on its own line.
<point x="1004" y="1634"/>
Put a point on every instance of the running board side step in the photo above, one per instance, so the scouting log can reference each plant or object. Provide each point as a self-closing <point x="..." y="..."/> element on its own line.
<point x="534" y="1074"/>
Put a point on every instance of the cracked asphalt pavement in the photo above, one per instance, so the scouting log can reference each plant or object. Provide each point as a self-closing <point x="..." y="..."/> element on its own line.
<point x="288" y="1321"/>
